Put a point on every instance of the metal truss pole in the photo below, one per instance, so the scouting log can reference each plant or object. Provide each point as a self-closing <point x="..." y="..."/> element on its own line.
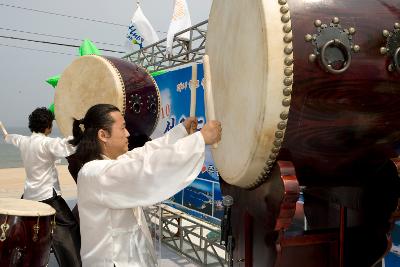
<point x="154" y="57"/>
<point x="188" y="236"/>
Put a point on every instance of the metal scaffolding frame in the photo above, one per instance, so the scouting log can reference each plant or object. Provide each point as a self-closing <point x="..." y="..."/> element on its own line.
<point x="194" y="239"/>
<point x="154" y="57"/>
<point x="188" y="236"/>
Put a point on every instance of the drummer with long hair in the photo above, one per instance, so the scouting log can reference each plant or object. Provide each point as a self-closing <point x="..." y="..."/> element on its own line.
<point x="114" y="183"/>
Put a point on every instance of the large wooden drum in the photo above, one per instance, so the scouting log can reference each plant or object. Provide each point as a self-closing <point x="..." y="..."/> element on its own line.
<point x="26" y="229"/>
<point x="315" y="82"/>
<point x="91" y="80"/>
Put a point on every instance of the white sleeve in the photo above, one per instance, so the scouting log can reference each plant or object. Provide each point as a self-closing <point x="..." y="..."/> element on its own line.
<point x="158" y="175"/>
<point x="171" y="137"/>
<point x="59" y="147"/>
<point x="14" y="139"/>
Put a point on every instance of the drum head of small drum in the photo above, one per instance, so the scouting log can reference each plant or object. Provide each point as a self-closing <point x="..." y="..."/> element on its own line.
<point x="245" y="43"/>
<point x="87" y="81"/>
<point x="23" y="207"/>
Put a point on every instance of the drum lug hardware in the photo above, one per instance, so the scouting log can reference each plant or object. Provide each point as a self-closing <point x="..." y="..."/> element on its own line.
<point x="152" y="104"/>
<point x="36" y="229"/>
<point x="4" y="228"/>
<point x="333" y="46"/>
<point x="392" y="47"/>
<point x="136" y="103"/>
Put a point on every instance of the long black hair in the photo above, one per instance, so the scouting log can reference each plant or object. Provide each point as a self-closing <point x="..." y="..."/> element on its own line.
<point x="85" y="132"/>
<point x="40" y="119"/>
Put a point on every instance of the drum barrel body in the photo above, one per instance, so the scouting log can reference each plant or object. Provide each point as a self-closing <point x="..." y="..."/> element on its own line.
<point x="340" y="131"/>
<point x="142" y="100"/>
<point x="19" y="248"/>
<point x="311" y="86"/>
<point x="338" y="124"/>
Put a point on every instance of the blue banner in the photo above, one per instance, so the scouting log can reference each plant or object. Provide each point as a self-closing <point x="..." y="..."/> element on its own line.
<point x="202" y="198"/>
<point x="393" y="258"/>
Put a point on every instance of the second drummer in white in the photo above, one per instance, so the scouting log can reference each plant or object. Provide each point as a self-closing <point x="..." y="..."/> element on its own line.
<point x="113" y="184"/>
<point x="39" y="153"/>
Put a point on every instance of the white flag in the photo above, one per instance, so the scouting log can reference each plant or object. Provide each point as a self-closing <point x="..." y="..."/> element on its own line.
<point x="180" y="21"/>
<point x="140" y="32"/>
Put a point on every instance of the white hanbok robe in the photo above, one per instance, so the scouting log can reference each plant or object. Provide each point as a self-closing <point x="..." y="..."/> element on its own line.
<point x="39" y="153"/>
<point x="111" y="192"/>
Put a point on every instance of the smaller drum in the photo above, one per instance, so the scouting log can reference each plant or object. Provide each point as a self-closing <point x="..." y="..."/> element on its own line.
<point x="26" y="229"/>
<point x="91" y="80"/>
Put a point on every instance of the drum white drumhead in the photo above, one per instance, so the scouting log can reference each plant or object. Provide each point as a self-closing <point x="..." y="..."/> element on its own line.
<point x="87" y="81"/>
<point x="245" y="43"/>
<point x="23" y="207"/>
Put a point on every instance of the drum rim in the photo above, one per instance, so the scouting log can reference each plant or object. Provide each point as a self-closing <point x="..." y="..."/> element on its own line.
<point x="264" y="167"/>
<point x="46" y="210"/>
<point x="120" y="80"/>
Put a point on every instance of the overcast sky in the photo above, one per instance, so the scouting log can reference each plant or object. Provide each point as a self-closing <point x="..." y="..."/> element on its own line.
<point x="23" y="72"/>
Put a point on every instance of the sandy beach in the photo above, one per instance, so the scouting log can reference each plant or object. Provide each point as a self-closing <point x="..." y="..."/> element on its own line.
<point x="12" y="182"/>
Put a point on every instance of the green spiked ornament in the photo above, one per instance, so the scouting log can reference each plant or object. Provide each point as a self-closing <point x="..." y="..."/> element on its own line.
<point x="88" y="48"/>
<point x="51" y="108"/>
<point x="53" y="81"/>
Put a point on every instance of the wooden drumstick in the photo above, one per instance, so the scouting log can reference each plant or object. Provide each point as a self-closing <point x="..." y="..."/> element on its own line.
<point x="193" y="88"/>
<point x="208" y="96"/>
<point x="3" y="129"/>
